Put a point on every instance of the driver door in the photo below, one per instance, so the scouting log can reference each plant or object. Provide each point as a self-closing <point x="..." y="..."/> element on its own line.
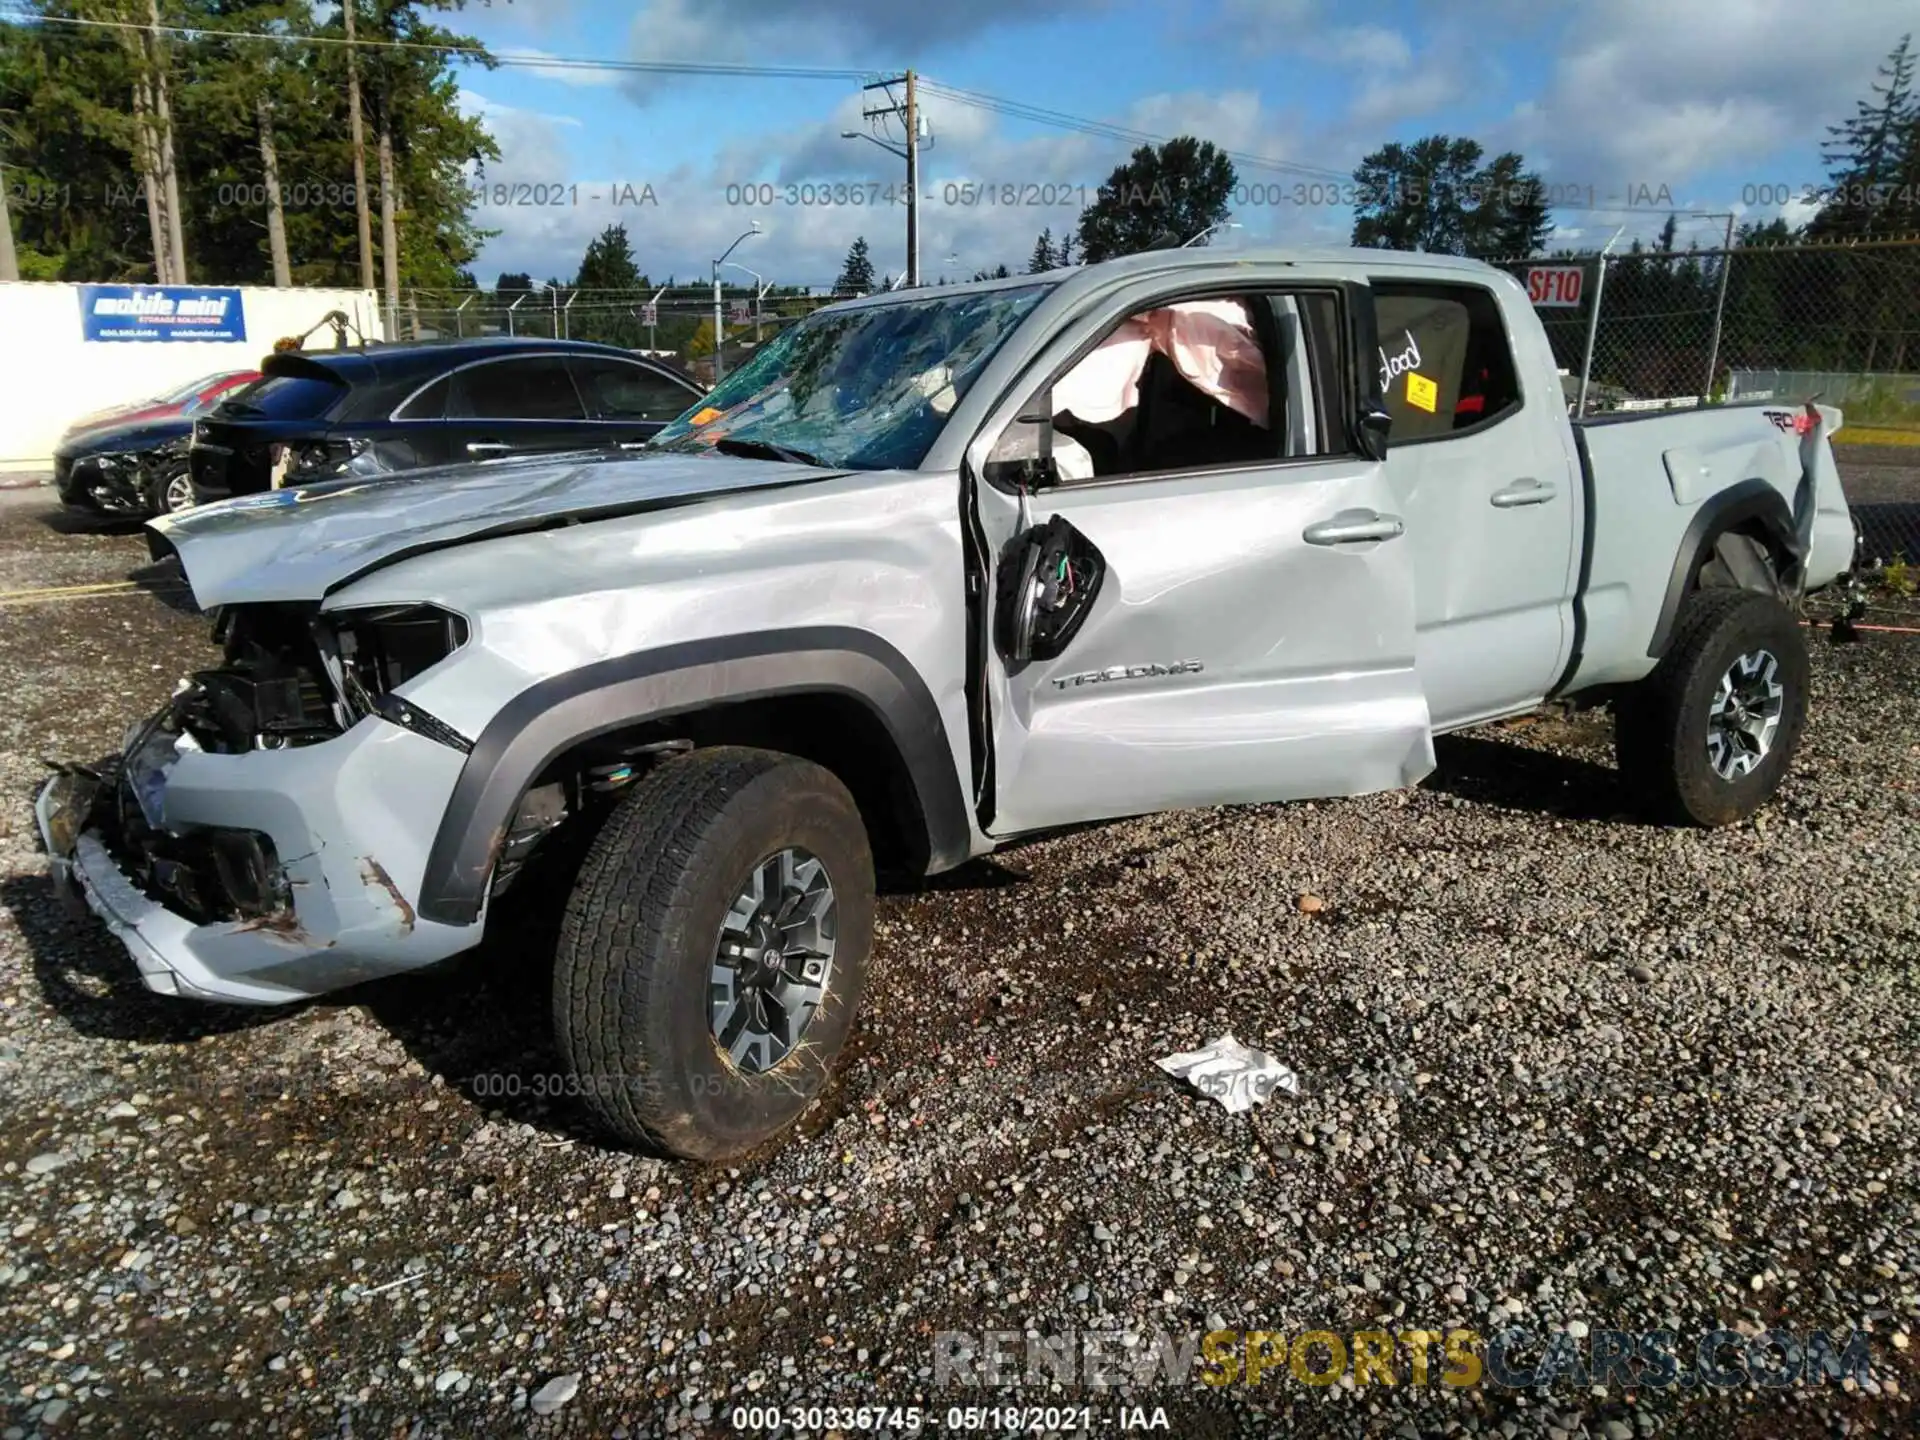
<point x="1203" y="594"/>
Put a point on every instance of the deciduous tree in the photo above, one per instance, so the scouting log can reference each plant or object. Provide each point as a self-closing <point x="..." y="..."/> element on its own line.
<point x="1163" y="196"/>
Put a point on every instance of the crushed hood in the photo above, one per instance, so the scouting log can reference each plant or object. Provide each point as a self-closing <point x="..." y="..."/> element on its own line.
<point x="299" y="544"/>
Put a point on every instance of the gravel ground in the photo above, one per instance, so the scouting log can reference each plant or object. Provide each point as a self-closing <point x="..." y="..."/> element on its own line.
<point x="1880" y="474"/>
<point x="1562" y="1070"/>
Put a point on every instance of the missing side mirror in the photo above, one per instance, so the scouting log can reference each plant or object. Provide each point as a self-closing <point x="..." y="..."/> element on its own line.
<point x="1022" y="459"/>
<point x="1029" y="472"/>
<point x="1371" y="427"/>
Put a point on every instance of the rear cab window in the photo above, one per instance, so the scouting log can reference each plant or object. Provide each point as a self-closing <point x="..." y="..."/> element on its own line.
<point x="1446" y="364"/>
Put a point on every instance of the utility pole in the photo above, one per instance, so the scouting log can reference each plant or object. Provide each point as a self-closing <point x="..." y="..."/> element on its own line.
<point x="913" y="184"/>
<point x="908" y="110"/>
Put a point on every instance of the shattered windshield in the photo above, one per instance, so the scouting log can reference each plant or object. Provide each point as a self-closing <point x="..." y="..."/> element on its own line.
<point x="867" y="389"/>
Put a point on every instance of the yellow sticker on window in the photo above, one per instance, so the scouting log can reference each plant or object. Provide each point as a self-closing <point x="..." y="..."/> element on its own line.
<point x="707" y="412"/>
<point x="1422" y="393"/>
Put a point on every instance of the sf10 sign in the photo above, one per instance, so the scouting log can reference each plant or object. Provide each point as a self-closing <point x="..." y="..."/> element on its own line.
<point x="1556" y="286"/>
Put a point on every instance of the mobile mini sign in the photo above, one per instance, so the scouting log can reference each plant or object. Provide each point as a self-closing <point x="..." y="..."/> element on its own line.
<point x="161" y="312"/>
<point x="1556" y="286"/>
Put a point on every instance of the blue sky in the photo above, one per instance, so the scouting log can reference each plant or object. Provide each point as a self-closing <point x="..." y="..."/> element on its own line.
<point x="1625" y="106"/>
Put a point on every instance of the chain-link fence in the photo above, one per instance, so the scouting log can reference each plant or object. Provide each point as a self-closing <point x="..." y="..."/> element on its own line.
<point x="1642" y="329"/>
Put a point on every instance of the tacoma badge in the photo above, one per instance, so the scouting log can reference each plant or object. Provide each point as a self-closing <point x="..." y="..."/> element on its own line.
<point x="1128" y="672"/>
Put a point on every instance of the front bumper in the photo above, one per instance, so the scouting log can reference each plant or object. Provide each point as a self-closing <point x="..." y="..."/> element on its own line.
<point x="106" y="484"/>
<point x="351" y="820"/>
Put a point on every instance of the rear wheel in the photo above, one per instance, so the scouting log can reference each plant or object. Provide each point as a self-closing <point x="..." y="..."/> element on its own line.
<point x="714" y="950"/>
<point x="1707" y="737"/>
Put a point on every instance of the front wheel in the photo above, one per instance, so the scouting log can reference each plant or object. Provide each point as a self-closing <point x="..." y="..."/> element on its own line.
<point x="714" y="950"/>
<point x="1707" y="738"/>
<point x="171" y="491"/>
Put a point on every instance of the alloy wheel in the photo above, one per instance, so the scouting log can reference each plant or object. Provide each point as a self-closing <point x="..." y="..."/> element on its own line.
<point x="773" y="960"/>
<point x="1744" y="715"/>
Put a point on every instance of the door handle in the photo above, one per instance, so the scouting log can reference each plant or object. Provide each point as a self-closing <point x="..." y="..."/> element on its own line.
<point x="1524" y="492"/>
<point x="1350" y="527"/>
<point x="487" y="447"/>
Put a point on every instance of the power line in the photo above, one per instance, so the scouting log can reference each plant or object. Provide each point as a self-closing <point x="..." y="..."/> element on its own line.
<point x="1060" y="119"/>
<point x="996" y="104"/>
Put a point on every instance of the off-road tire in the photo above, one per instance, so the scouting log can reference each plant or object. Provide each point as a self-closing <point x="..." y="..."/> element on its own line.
<point x="1661" y="725"/>
<point x="633" y="967"/>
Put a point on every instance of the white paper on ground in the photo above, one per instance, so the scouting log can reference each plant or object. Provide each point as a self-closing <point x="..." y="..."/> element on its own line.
<point x="1236" y="1075"/>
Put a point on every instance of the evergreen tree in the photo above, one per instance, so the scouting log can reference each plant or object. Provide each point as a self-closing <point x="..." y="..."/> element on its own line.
<point x="856" y="275"/>
<point x="1874" y="157"/>
<point x="614" y="286"/>
<point x="1043" y="257"/>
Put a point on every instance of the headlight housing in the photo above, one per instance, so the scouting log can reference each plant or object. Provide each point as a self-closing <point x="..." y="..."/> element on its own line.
<point x="379" y="649"/>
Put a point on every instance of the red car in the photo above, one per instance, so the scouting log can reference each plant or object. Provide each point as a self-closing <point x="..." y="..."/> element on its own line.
<point x="185" y="400"/>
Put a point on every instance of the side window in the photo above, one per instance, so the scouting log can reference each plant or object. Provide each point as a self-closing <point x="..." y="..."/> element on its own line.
<point x="428" y="404"/>
<point x="1445" y="363"/>
<point x="536" y="388"/>
<point x="1197" y="383"/>
<point x="621" y="390"/>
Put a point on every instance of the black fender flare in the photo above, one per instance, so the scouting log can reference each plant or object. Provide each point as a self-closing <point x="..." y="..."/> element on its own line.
<point x="1737" y="505"/>
<point x="548" y="718"/>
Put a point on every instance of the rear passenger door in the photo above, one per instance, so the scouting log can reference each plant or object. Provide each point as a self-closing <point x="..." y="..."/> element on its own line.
<point x="1486" y="476"/>
<point x="520" y="405"/>
<point x="628" y="402"/>
<point x="416" y="433"/>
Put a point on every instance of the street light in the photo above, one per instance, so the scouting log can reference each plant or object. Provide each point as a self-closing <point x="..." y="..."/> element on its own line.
<point x="884" y="145"/>
<point x="759" y="295"/>
<point x="749" y="233"/>
<point x="1217" y="225"/>
<point x="909" y="153"/>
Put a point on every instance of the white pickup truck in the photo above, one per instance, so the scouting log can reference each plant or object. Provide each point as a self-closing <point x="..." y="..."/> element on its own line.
<point x="935" y="569"/>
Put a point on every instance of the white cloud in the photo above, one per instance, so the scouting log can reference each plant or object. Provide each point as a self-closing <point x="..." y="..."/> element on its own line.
<point x="867" y="33"/>
<point x="1632" y="92"/>
<point x="1654" y="92"/>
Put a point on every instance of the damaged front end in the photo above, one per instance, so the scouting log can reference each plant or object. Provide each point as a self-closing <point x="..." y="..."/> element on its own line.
<point x="256" y="838"/>
<point x="125" y="482"/>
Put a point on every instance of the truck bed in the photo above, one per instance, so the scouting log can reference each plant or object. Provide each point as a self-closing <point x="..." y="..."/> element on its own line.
<point x="1654" y="482"/>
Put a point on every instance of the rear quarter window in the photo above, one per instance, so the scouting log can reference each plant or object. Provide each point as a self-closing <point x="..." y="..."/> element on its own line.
<point x="1445" y="362"/>
<point x="429" y="403"/>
